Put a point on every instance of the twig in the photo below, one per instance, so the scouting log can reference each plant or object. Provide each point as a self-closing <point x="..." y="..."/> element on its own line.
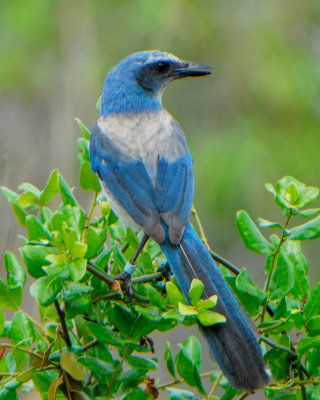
<point x="89" y="345"/>
<point x="85" y="231"/>
<point x="36" y="355"/>
<point x="245" y="395"/>
<point x="65" y="332"/>
<point x="303" y="389"/>
<point x="117" y="370"/>
<point x="214" y="387"/>
<point x="180" y="380"/>
<point x="276" y="346"/>
<point x="199" y="225"/>
<point x="273" y="263"/>
<point x="99" y="274"/>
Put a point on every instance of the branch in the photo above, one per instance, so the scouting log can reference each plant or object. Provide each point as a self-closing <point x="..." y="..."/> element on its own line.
<point x="65" y="332"/>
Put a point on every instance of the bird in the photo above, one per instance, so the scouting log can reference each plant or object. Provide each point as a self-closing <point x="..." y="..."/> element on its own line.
<point x="141" y="156"/>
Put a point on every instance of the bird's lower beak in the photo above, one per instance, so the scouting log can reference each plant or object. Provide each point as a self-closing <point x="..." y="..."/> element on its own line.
<point x="192" y="69"/>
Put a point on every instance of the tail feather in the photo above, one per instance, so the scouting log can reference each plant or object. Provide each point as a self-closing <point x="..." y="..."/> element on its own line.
<point x="233" y="344"/>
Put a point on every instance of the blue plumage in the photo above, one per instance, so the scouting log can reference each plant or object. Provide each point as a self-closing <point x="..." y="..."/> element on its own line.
<point x="141" y="156"/>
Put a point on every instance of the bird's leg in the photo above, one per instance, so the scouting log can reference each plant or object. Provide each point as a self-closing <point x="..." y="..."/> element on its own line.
<point x="125" y="276"/>
<point x="165" y="271"/>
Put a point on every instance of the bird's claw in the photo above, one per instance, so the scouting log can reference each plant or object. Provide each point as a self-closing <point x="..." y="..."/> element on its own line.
<point x="166" y="272"/>
<point x="126" y="285"/>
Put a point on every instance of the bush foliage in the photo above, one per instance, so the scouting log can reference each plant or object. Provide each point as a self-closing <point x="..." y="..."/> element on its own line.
<point x="92" y="344"/>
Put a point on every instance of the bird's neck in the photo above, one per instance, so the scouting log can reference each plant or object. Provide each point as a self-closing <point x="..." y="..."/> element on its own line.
<point x="122" y="96"/>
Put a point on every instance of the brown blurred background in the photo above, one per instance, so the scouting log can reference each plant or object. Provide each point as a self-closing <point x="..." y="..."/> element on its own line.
<point x="255" y="120"/>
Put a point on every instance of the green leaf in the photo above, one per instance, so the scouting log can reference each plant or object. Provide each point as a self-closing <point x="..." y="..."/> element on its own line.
<point x="137" y="394"/>
<point x="121" y="318"/>
<point x="310" y="212"/>
<point x="313" y="327"/>
<point x="2" y="322"/>
<point x="68" y="362"/>
<point x="252" y="237"/>
<point x="306" y="344"/>
<point x="30" y="188"/>
<point x="22" y="330"/>
<point x="174" y="294"/>
<point x="16" y="272"/>
<point x="313" y="363"/>
<point x="10" y="296"/>
<point x="312" y="307"/>
<point x="99" y="368"/>
<point x="155" y="297"/>
<point x="27" y="199"/>
<point x="246" y="285"/>
<point x="66" y="193"/>
<point x="196" y="290"/>
<point x="264" y="223"/>
<point x="168" y="358"/>
<point x="83" y="147"/>
<point x="104" y="334"/>
<point x="26" y="375"/>
<point x="149" y="312"/>
<point x="36" y="231"/>
<point x="46" y="289"/>
<point x="88" y="179"/>
<point x="77" y="304"/>
<point x="141" y="363"/>
<point x="34" y="257"/>
<point x="132" y="238"/>
<point x="85" y="131"/>
<point x="188" y="369"/>
<point x="77" y="269"/>
<point x="20" y="213"/>
<point x="207" y="304"/>
<point x="279" y="394"/>
<point x="51" y="189"/>
<point x="184" y="309"/>
<point x="54" y="387"/>
<point x="208" y="318"/>
<point x="78" y="249"/>
<point x="250" y="303"/>
<point x="9" y="194"/>
<point x="118" y="257"/>
<point x="70" y="235"/>
<point x="193" y="347"/>
<point x="309" y="230"/>
<point x="95" y="240"/>
<point x="279" y="360"/>
<point x="282" y="279"/>
<point x="293" y="251"/>
<point x="185" y="366"/>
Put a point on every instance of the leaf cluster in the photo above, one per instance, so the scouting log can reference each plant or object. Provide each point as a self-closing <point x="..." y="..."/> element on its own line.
<point x="292" y="326"/>
<point x="90" y="343"/>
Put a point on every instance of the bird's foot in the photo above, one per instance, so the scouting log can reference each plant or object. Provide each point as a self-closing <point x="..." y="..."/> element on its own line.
<point x="127" y="287"/>
<point x="165" y="271"/>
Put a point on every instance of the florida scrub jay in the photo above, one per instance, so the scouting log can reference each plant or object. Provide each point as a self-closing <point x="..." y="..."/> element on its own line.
<point x="141" y="155"/>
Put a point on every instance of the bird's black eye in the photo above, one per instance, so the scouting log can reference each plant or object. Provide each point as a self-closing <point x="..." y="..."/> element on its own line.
<point x="162" y="66"/>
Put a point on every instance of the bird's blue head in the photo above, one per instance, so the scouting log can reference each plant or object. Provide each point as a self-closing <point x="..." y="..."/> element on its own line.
<point x="137" y="82"/>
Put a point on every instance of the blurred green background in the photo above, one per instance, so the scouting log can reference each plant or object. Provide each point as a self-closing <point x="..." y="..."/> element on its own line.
<point x="253" y="121"/>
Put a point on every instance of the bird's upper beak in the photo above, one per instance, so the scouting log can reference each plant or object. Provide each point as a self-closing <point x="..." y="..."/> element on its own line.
<point x="186" y="69"/>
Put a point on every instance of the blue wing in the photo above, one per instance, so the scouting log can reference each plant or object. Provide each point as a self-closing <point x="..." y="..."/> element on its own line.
<point x="127" y="179"/>
<point x="174" y="193"/>
<point x="151" y="195"/>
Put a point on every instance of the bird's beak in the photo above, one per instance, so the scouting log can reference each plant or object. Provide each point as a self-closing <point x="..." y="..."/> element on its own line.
<point x="191" y="69"/>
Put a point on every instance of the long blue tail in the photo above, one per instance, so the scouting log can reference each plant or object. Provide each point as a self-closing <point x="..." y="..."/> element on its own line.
<point x="233" y="344"/>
